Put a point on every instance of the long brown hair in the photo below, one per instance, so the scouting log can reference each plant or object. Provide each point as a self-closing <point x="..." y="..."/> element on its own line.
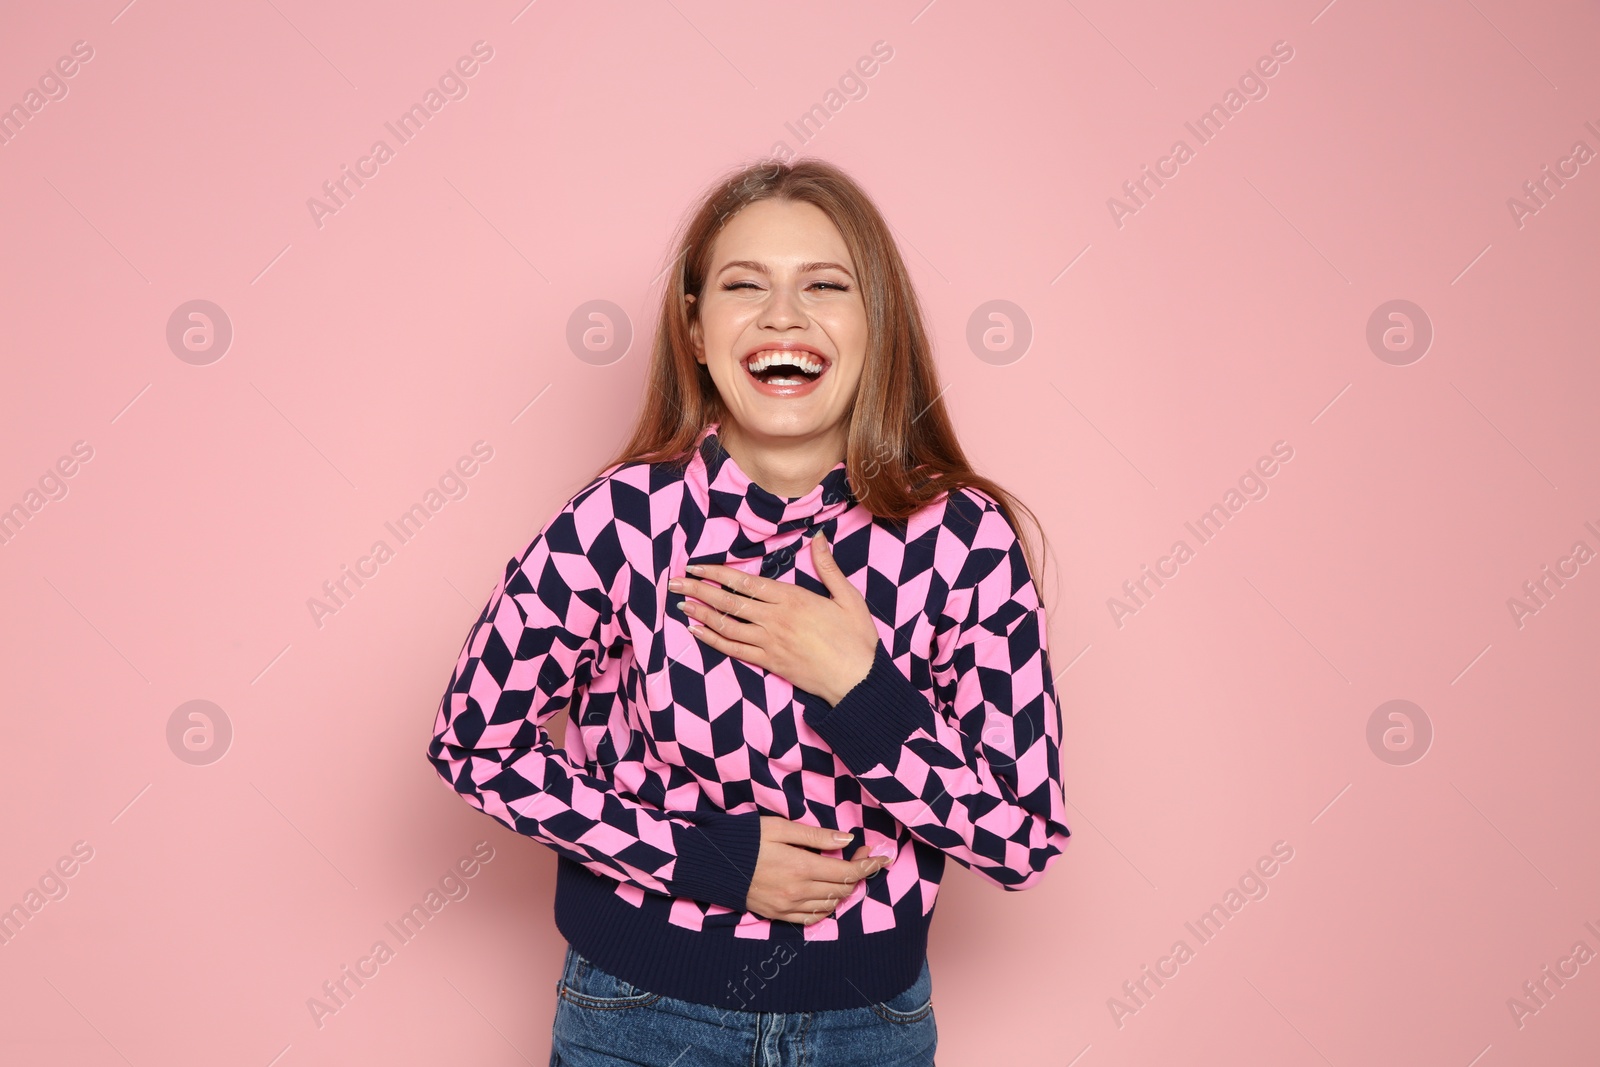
<point x="902" y="453"/>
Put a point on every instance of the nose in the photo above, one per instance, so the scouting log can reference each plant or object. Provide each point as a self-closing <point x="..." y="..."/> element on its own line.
<point x="782" y="310"/>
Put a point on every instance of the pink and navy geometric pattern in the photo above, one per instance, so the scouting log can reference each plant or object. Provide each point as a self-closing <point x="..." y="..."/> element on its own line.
<point x="949" y="747"/>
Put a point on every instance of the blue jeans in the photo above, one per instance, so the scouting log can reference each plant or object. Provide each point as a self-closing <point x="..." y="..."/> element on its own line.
<point x="603" y="1021"/>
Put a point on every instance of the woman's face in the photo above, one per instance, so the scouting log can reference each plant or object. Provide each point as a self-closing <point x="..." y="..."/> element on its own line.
<point x="782" y="287"/>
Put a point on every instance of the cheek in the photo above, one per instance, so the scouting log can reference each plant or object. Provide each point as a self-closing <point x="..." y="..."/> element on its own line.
<point x="720" y="331"/>
<point x="847" y="327"/>
<point x="725" y="315"/>
<point x="851" y="380"/>
<point x="849" y="333"/>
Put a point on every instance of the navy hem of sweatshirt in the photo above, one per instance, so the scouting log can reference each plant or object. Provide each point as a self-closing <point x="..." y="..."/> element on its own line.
<point x="781" y="973"/>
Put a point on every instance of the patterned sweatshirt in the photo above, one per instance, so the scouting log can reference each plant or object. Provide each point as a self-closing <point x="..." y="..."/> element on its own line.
<point x="674" y="751"/>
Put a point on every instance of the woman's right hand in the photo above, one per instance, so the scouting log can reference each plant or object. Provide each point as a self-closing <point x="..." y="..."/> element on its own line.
<point x="794" y="884"/>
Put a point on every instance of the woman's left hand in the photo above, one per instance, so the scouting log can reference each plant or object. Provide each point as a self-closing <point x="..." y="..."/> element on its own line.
<point x="820" y="644"/>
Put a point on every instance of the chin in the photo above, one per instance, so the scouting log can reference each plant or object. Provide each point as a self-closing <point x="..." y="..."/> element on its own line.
<point x="792" y="423"/>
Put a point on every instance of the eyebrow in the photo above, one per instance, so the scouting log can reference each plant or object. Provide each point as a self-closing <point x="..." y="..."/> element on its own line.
<point x="751" y="264"/>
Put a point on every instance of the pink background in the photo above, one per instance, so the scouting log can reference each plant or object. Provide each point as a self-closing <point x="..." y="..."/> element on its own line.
<point x="1168" y="354"/>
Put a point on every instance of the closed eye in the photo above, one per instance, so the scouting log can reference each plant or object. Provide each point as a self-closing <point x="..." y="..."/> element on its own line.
<point x="753" y="285"/>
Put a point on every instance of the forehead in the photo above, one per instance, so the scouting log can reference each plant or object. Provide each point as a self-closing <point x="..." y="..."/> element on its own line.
<point x="780" y="233"/>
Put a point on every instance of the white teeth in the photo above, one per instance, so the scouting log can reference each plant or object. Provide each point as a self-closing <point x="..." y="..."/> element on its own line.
<point x="798" y="359"/>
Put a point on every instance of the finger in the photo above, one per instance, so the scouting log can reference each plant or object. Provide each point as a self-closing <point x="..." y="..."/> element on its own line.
<point x="753" y="654"/>
<point x="812" y="911"/>
<point x="726" y="603"/>
<point x="841" y="872"/>
<point x="809" y="868"/>
<point x="730" y="600"/>
<point x="812" y="889"/>
<point x="799" y="918"/>
<point x="826" y="890"/>
<point x="752" y="586"/>
<point x="799" y="833"/>
<point x="829" y="571"/>
<point x="729" y="626"/>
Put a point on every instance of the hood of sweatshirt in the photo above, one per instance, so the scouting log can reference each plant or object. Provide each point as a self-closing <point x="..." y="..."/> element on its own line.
<point x="742" y="520"/>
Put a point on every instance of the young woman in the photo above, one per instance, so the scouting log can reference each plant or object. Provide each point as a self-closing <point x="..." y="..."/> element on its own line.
<point x="803" y="657"/>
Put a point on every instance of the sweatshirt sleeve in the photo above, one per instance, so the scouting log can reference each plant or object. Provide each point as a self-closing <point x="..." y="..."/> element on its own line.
<point x="978" y="776"/>
<point x="551" y="627"/>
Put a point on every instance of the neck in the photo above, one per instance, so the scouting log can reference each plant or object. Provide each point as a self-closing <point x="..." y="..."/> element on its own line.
<point x="783" y="466"/>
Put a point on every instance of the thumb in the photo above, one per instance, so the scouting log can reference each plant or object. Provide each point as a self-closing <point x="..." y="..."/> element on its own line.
<point x="801" y="833"/>
<point x="828" y="568"/>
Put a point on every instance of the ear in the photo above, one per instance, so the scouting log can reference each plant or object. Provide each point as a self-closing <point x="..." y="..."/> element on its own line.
<point x="694" y="332"/>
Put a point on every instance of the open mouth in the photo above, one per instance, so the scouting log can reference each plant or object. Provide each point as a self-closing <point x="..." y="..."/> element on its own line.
<point x="785" y="368"/>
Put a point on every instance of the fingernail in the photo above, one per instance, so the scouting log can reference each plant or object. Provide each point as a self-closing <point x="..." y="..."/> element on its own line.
<point x="842" y="838"/>
<point x="883" y="849"/>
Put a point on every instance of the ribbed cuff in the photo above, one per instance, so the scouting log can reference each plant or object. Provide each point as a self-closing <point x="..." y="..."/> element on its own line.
<point x="871" y="723"/>
<point x="716" y="857"/>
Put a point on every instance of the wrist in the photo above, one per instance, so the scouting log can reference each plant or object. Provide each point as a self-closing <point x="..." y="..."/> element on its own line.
<point x="875" y="718"/>
<point x="853" y="677"/>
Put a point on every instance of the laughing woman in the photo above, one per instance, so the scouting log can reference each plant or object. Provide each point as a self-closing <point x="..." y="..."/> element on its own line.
<point x="803" y="657"/>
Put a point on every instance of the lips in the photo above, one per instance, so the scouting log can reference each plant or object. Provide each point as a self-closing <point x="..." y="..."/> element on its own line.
<point x="787" y="370"/>
<point x="770" y="352"/>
